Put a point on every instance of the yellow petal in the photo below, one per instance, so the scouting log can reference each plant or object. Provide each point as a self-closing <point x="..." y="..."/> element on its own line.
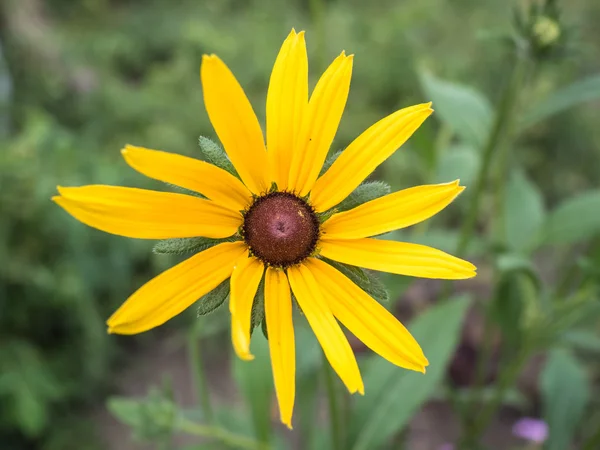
<point x="176" y="289"/>
<point x="278" y="313"/>
<point x="324" y="113"/>
<point x="330" y="335"/>
<point x="189" y="173"/>
<point x="235" y="123"/>
<point x="245" y="279"/>
<point x="402" y="258"/>
<point x="145" y="214"/>
<point x="365" y="153"/>
<point x="391" y="212"/>
<point x="367" y="319"/>
<point x="287" y="99"/>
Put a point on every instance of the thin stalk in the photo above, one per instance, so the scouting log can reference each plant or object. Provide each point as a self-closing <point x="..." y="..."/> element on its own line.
<point x="334" y="413"/>
<point x="502" y="122"/>
<point x="317" y="9"/>
<point x="507" y="379"/>
<point x="226" y="437"/>
<point x="202" y="391"/>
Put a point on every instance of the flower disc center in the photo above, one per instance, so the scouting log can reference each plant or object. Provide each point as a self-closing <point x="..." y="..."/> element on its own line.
<point x="281" y="229"/>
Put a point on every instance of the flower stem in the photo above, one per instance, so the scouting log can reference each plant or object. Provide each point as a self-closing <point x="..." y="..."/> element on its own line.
<point x="334" y="413"/>
<point x="501" y="124"/>
<point x="220" y="434"/>
<point x="195" y="358"/>
<point x="507" y="379"/>
<point x="316" y="9"/>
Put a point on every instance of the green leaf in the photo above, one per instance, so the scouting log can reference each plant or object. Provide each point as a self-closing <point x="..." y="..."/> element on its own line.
<point x="255" y="380"/>
<point x="214" y="154"/>
<point x="565" y="394"/>
<point x="581" y="91"/>
<point x="574" y="220"/>
<point x="215" y="298"/>
<point x="180" y="246"/>
<point x="394" y="395"/>
<point x="365" y="280"/>
<point x="366" y="192"/>
<point x="329" y="161"/>
<point x="466" y="111"/>
<point x="524" y="212"/>
<point x="459" y="161"/>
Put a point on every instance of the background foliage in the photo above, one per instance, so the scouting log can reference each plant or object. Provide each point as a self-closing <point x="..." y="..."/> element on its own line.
<point x="80" y="78"/>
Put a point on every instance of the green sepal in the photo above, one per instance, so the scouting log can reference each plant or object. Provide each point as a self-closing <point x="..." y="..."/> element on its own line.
<point x="364" y="193"/>
<point x="179" y="246"/>
<point x="182" y="190"/>
<point x="329" y="161"/>
<point x="215" y="298"/>
<point x="214" y="154"/>
<point x="324" y="216"/>
<point x="263" y="327"/>
<point x="364" y="279"/>
<point x="273" y="187"/>
<point x="258" y="306"/>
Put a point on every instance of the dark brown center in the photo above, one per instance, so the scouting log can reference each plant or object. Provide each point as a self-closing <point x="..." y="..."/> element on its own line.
<point x="281" y="229"/>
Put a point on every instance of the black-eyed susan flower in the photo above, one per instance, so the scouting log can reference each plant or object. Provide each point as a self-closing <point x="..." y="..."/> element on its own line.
<point x="276" y="218"/>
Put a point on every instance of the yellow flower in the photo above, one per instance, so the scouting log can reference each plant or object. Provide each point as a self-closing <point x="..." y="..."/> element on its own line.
<point x="274" y="212"/>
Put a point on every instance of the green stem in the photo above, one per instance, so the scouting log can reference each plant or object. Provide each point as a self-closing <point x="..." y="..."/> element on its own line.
<point x="502" y="122"/>
<point x="219" y="434"/>
<point x="334" y="414"/>
<point x="507" y="379"/>
<point x="316" y="12"/>
<point x="195" y="358"/>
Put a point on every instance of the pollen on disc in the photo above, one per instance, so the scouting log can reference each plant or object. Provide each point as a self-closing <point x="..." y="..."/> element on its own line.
<point x="281" y="229"/>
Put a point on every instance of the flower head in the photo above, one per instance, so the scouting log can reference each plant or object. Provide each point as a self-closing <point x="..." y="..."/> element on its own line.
<point x="530" y="429"/>
<point x="274" y="218"/>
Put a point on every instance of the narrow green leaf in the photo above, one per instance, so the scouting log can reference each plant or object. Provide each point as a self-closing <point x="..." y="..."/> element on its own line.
<point x="255" y="380"/>
<point x="395" y="394"/>
<point x="581" y="91"/>
<point x="466" y="111"/>
<point x="215" y="298"/>
<point x="574" y="220"/>
<point x="565" y="394"/>
<point x="180" y="246"/>
<point x="214" y="154"/>
<point x="524" y="212"/>
<point x="365" y="280"/>
<point x="366" y="192"/>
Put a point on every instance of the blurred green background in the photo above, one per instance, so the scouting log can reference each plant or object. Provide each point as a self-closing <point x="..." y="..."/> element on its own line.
<point x="81" y="78"/>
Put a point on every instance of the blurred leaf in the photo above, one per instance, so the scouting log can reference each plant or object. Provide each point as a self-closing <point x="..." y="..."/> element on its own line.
<point x="565" y="394"/>
<point x="459" y="161"/>
<point x="255" y="381"/>
<point x="215" y="298"/>
<point x="574" y="220"/>
<point x="524" y="212"/>
<point x="584" y="340"/>
<point x="393" y="395"/>
<point x="150" y="418"/>
<point x="467" y="111"/>
<point x="582" y="91"/>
